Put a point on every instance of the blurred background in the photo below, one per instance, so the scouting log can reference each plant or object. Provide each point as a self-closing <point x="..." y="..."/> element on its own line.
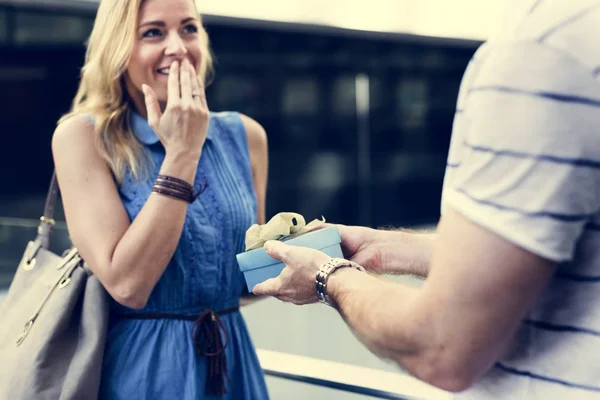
<point x="357" y="99"/>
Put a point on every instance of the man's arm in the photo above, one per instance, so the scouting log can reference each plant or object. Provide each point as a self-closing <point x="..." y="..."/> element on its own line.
<point x="453" y="329"/>
<point x="521" y="184"/>
<point x="397" y="252"/>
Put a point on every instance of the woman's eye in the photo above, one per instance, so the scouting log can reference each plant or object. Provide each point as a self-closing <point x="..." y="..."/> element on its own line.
<point x="150" y="33"/>
<point x="190" y="28"/>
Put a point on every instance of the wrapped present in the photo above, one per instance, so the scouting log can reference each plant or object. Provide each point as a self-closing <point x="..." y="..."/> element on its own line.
<point x="257" y="266"/>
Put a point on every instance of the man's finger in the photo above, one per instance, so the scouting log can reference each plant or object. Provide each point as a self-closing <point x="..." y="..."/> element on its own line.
<point x="342" y="229"/>
<point x="278" y="250"/>
<point x="152" y="107"/>
<point x="270" y="287"/>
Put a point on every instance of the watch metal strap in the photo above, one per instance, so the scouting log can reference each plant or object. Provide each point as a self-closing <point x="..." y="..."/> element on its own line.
<point x="323" y="276"/>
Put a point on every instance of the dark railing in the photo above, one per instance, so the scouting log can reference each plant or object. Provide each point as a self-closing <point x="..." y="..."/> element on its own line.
<point x="348" y="378"/>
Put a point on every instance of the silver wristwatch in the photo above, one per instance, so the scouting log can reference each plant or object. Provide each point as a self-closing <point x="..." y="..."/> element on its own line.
<point x="323" y="276"/>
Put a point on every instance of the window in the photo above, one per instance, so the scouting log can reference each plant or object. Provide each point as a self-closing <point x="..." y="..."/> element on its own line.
<point x="413" y="103"/>
<point x="34" y="28"/>
<point x="343" y="96"/>
<point x="300" y="97"/>
<point x="3" y="26"/>
<point x="238" y="92"/>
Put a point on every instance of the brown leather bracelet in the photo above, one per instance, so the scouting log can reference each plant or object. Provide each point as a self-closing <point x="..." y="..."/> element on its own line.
<point x="167" y="182"/>
<point x="173" y="193"/>
<point x="175" y="180"/>
<point x="175" y="186"/>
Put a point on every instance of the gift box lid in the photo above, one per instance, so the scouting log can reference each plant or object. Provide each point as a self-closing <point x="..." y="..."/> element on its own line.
<point x="319" y="239"/>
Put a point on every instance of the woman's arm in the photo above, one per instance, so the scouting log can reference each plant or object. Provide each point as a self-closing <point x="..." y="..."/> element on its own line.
<point x="129" y="258"/>
<point x="259" y="159"/>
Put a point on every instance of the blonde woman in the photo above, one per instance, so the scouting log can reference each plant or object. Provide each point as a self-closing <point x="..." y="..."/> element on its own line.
<point x="158" y="193"/>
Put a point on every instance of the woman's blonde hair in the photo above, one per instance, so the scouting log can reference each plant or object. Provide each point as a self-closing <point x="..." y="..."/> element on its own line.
<point x="102" y="94"/>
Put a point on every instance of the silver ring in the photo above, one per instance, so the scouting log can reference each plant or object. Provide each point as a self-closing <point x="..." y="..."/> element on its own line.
<point x="196" y="94"/>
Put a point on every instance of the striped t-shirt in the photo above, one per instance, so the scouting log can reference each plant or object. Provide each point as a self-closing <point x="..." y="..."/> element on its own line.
<point x="524" y="163"/>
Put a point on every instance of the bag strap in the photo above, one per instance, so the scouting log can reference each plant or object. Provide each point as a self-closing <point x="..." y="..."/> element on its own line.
<point x="47" y="220"/>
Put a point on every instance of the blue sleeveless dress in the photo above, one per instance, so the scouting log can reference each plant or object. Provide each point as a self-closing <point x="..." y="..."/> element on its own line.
<point x="150" y="359"/>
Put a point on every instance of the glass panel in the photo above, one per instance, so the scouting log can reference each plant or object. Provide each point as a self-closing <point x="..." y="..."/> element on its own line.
<point x="237" y="93"/>
<point x="15" y="233"/>
<point x="343" y="96"/>
<point x="300" y="96"/>
<point x="3" y="26"/>
<point x="385" y="134"/>
<point x="32" y="28"/>
<point x="412" y="99"/>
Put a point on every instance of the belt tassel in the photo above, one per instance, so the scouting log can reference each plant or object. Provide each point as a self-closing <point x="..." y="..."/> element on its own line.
<point x="208" y="342"/>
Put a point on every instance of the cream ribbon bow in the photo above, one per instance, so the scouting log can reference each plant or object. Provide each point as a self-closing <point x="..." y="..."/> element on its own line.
<point x="282" y="225"/>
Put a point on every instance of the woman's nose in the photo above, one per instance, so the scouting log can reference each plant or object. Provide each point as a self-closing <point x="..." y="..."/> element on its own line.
<point x="175" y="46"/>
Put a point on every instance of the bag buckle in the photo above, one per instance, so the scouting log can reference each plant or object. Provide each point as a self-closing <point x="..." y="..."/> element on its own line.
<point x="68" y="258"/>
<point x="30" y="261"/>
<point x="25" y="331"/>
<point x="49" y="221"/>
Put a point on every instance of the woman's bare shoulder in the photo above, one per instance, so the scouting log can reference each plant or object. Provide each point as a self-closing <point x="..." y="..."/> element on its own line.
<point x="76" y="132"/>
<point x="257" y="137"/>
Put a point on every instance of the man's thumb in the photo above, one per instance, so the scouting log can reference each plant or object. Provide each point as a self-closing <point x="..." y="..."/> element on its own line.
<point x="276" y="249"/>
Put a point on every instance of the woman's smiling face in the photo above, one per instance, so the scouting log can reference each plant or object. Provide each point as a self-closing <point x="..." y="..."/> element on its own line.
<point x="167" y="31"/>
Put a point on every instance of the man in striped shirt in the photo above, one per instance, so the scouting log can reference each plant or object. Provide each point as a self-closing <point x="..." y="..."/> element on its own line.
<point x="511" y="305"/>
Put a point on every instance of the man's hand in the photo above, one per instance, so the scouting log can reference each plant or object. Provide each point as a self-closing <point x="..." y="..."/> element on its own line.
<point x="401" y="252"/>
<point x="296" y="283"/>
<point x="363" y="246"/>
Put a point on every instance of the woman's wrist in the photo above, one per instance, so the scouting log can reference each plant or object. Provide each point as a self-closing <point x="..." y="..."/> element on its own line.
<point x="181" y="164"/>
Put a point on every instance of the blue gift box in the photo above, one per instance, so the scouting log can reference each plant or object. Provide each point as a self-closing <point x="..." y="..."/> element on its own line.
<point x="257" y="266"/>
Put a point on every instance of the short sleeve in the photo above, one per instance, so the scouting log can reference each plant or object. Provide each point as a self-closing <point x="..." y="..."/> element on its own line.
<point x="526" y="163"/>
